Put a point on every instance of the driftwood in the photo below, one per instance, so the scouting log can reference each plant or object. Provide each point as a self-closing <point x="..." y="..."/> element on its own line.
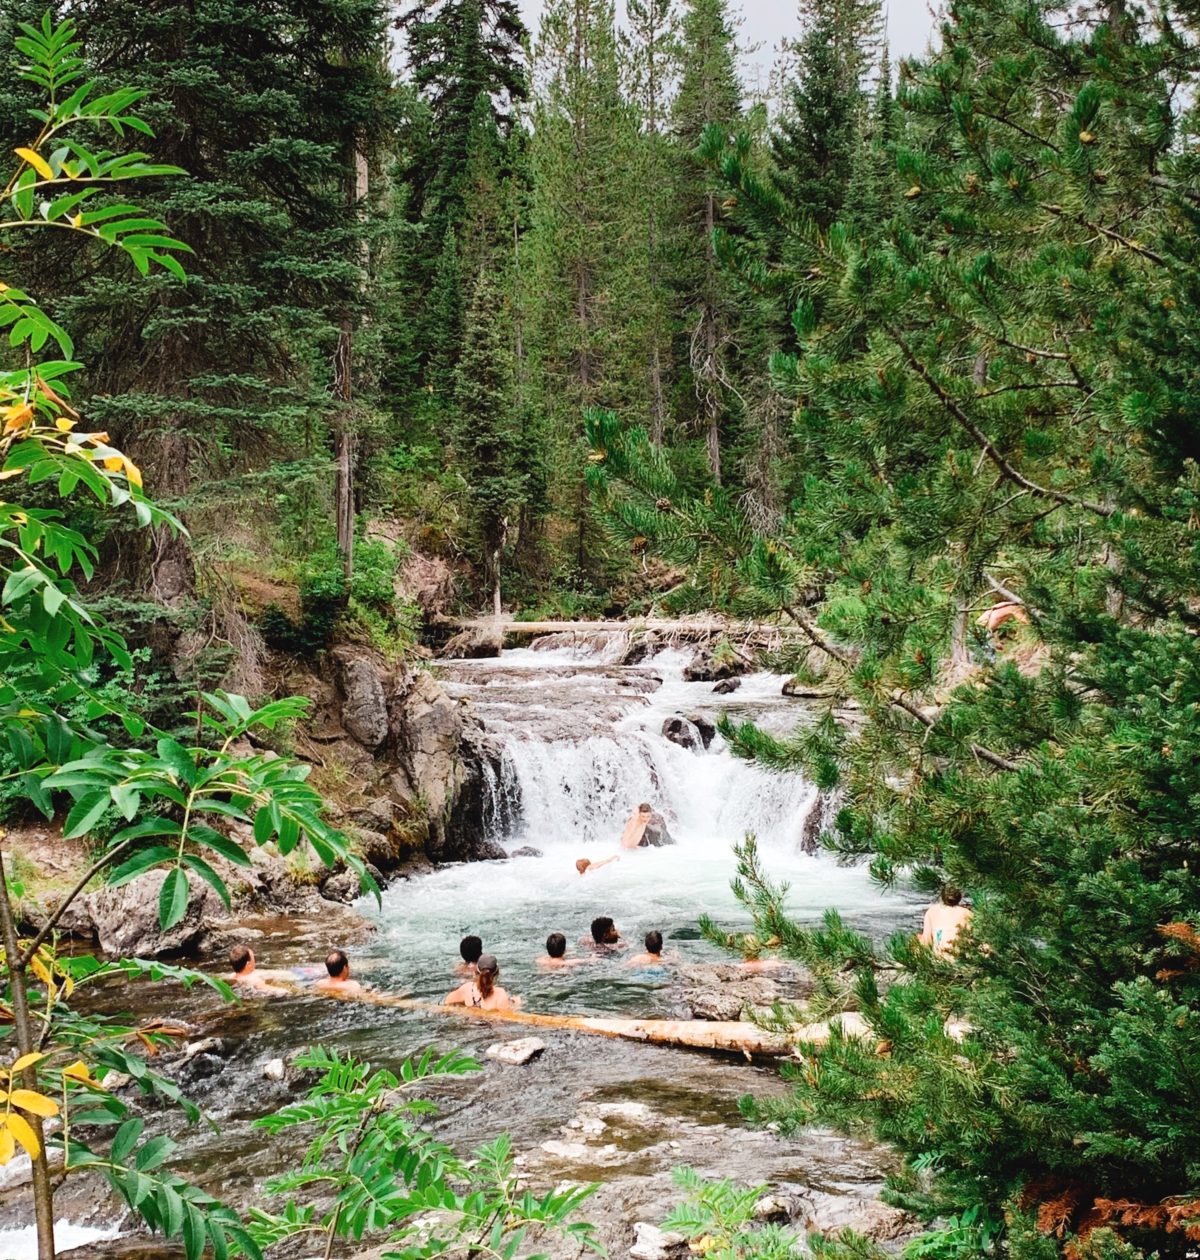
<point x="661" y="625"/>
<point x="731" y="1036"/>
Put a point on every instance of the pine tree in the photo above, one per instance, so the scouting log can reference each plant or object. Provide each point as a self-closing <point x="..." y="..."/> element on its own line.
<point x="709" y="97"/>
<point x="1000" y="384"/>
<point x="198" y="376"/>
<point x="584" y="136"/>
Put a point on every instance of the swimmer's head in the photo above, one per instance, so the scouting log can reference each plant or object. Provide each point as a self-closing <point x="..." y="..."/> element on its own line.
<point x="644" y="807"/>
<point x="556" y="945"/>
<point x="470" y="947"/>
<point x="337" y="964"/>
<point x="653" y="942"/>
<point x="241" y="957"/>
<point x="582" y="866"/>
<point x="487" y="969"/>
<point x="604" y="930"/>
<point x="951" y="896"/>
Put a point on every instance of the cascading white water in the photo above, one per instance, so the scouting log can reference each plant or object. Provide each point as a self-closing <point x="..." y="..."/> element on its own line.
<point x="583" y="744"/>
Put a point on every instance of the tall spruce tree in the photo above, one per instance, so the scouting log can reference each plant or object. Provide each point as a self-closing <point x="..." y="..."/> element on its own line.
<point x="232" y="364"/>
<point x="710" y="96"/>
<point x="997" y="561"/>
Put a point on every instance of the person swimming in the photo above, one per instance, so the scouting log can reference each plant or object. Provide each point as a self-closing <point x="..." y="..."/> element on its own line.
<point x="483" y="993"/>
<point x="555" y="957"/>
<point x="944" y="920"/>
<point x="470" y="947"/>
<point x="338" y="981"/>
<point x="653" y="957"/>
<point x="604" y="938"/>
<point x="584" y="865"/>
<point x="247" y="979"/>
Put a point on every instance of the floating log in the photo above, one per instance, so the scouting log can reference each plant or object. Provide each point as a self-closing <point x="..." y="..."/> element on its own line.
<point x="661" y="625"/>
<point x="730" y="1036"/>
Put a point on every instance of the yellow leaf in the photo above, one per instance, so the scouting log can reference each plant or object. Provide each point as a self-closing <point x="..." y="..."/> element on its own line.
<point x="914" y="191"/>
<point x="36" y="965"/>
<point x="38" y="1104"/>
<point x="77" y="220"/>
<point x="22" y="1130"/>
<point x="26" y="1060"/>
<point x="63" y="425"/>
<point x="36" y="160"/>
<point x="79" y="1071"/>
<point x="7" y="1145"/>
<point x="96" y="439"/>
<point x="114" y="463"/>
<point x="17" y="417"/>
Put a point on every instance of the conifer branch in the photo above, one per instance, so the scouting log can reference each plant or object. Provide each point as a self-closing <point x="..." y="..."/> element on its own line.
<point x="985" y="443"/>
<point x="1107" y="233"/>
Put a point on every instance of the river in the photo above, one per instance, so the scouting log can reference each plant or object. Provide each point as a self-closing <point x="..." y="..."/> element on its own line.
<point x="582" y="742"/>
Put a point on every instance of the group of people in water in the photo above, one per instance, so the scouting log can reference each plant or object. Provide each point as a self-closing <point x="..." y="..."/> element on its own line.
<point x="479" y="990"/>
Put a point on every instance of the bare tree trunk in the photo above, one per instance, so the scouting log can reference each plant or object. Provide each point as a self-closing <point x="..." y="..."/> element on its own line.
<point x="712" y="396"/>
<point x="43" y="1192"/>
<point x="172" y="566"/>
<point x="343" y="380"/>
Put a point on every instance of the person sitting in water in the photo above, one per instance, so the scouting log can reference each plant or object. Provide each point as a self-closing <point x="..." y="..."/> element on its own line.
<point x="605" y="939"/>
<point x="246" y="979"/>
<point x="635" y="828"/>
<point x="653" y="957"/>
<point x="470" y="947"/>
<point x="944" y="920"/>
<point x="555" y="957"/>
<point x="338" y="981"/>
<point x="483" y="993"/>
<point x="584" y="865"/>
<point x="752" y="959"/>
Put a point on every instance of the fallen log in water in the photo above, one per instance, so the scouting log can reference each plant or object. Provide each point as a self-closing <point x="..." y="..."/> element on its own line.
<point x="732" y="1036"/>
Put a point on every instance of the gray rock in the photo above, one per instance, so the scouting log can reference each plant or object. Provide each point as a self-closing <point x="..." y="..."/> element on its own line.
<point x="526" y="850"/>
<point x="523" y="1050"/>
<point x="364" y="703"/>
<point x="679" y="730"/>
<point x="343" y="887"/>
<point x="727" y="686"/>
<point x="486" y="850"/>
<point x="656" y="835"/>
<point x="773" y="1207"/>
<point x="825" y="1213"/>
<point x="274" y="1070"/>
<point x="652" y="1243"/>
<point x="126" y="918"/>
<point x="723" y="991"/>
<point x="708" y="666"/>
<point x="375" y="815"/>
<point x="704" y="728"/>
<point x="800" y="689"/>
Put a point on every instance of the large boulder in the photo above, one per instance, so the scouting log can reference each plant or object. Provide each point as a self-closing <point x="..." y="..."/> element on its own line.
<point x="682" y="732"/>
<point x="364" y="697"/>
<point x="126" y="918"/>
<point x="705" y="728"/>
<point x="656" y="835"/>
<point x="428" y="582"/>
<point x="715" y="665"/>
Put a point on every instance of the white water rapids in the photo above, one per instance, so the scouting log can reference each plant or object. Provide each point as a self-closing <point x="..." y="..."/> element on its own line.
<point x="582" y="745"/>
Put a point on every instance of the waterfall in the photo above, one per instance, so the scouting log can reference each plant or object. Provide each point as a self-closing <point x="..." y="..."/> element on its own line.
<point x="582" y="743"/>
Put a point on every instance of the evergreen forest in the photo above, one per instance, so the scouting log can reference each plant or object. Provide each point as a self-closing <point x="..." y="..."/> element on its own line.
<point x="424" y="316"/>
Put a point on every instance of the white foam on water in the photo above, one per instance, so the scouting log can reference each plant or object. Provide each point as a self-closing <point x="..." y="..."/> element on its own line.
<point x="20" y="1243"/>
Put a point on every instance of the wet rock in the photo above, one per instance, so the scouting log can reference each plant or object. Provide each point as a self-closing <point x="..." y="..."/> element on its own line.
<point x="475" y="643"/>
<point x="704" y="728"/>
<point x="75" y="921"/>
<point x="727" y="686"/>
<point x="523" y="1050"/>
<point x="486" y="850"/>
<point x="220" y="1047"/>
<point x="346" y="886"/>
<point x="364" y="699"/>
<point x="652" y="1243"/>
<point x="526" y="850"/>
<point x="682" y="732"/>
<point x="656" y="835"/>
<point x="274" y="1070"/>
<point x="724" y="991"/>
<point x="714" y="665"/>
<point x="126" y="918"/>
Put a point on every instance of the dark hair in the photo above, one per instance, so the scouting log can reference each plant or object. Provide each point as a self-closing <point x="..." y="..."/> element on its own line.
<point x="240" y="957"/>
<point x="654" y="942"/>
<point x="644" y="807"/>
<point x="951" y="896"/>
<point x="601" y="927"/>
<point x="336" y="962"/>
<point x="556" y="944"/>
<point x="488" y="969"/>
<point x="470" y="947"/>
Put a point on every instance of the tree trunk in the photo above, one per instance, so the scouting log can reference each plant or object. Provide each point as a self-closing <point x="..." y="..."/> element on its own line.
<point x="712" y="395"/>
<point x="357" y="176"/>
<point x="43" y="1192"/>
<point x="172" y="567"/>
